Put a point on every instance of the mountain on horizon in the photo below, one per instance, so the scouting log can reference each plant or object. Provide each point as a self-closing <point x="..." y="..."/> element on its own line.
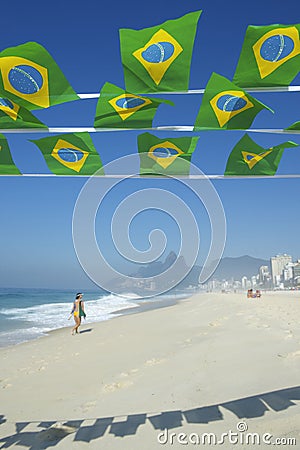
<point x="238" y="267"/>
<point x="156" y="267"/>
<point x="228" y="268"/>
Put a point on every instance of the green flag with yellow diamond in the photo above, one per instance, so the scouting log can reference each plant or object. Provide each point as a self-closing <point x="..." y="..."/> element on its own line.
<point x="70" y="154"/>
<point x="7" y="166"/>
<point x="270" y="56"/>
<point x="226" y="106"/>
<point x="159" y="58"/>
<point x="30" y="77"/>
<point x="169" y="156"/>
<point x="249" y="158"/>
<point x="117" y="108"/>
<point x="13" y="116"/>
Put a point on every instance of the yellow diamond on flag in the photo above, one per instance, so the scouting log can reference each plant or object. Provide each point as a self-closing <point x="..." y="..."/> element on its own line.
<point x="69" y="155"/>
<point x="275" y="48"/>
<point x="253" y="158"/>
<point x="227" y="104"/>
<point x="164" y="153"/>
<point x="25" y="79"/>
<point x="127" y="104"/>
<point x="158" y="54"/>
<point x="10" y="108"/>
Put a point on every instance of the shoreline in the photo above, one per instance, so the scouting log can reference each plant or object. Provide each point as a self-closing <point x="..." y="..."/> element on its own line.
<point x="146" y="305"/>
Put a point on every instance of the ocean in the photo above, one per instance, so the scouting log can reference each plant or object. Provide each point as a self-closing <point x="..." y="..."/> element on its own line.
<point x="27" y="314"/>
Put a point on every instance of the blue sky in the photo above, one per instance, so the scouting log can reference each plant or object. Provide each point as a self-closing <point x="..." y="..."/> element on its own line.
<point x="36" y="213"/>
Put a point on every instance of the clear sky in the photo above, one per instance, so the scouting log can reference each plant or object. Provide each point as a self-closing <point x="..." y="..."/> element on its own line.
<point x="36" y="213"/>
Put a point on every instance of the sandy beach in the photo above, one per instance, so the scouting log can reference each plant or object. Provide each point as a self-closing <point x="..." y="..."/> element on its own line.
<point x="160" y="378"/>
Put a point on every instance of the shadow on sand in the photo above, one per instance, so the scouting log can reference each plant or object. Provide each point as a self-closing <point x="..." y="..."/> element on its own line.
<point x="87" y="330"/>
<point x="48" y="434"/>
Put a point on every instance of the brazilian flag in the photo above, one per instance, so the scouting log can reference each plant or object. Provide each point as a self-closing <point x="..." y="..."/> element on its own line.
<point x="13" y="115"/>
<point x="170" y="156"/>
<point x="117" y="108"/>
<point x="70" y="154"/>
<point x="248" y="158"/>
<point x="159" y="58"/>
<point x="226" y="106"/>
<point x="270" y="56"/>
<point x="7" y="166"/>
<point x="30" y="77"/>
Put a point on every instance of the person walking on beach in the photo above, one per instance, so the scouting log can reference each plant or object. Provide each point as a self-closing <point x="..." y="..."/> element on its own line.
<point x="78" y="312"/>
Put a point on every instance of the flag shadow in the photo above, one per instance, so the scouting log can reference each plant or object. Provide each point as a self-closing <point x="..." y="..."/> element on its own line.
<point x="48" y="434"/>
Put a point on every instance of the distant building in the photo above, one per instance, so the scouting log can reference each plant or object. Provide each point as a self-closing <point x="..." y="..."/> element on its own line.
<point x="296" y="273"/>
<point x="284" y="274"/>
<point x="236" y="284"/>
<point x="278" y="263"/>
<point x="244" y="282"/>
<point x="254" y="281"/>
<point x="263" y="274"/>
<point x="264" y="277"/>
<point x="288" y="274"/>
<point x="214" y="285"/>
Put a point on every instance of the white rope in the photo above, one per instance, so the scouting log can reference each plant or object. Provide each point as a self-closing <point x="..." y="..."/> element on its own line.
<point x="179" y="177"/>
<point x="92" y="129"/>
<point x="179" y="128"/>
<point x="267" y="89"/>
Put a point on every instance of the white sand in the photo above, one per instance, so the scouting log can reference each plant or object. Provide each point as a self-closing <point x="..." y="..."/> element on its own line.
<point x="202" y="365"/>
